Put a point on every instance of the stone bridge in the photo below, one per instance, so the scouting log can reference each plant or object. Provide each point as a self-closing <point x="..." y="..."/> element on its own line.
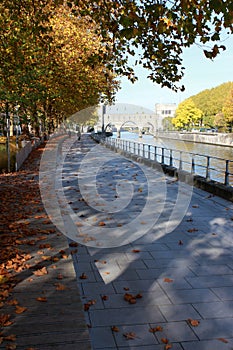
<point x="117" y="117"/>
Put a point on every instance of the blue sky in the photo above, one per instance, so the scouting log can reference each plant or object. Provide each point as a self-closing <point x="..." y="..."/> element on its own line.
<point x="200" y="74"/>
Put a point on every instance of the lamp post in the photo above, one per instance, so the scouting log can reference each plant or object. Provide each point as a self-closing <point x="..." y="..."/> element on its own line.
<point x="17" y="125"/>
<point x="8" y="138"/>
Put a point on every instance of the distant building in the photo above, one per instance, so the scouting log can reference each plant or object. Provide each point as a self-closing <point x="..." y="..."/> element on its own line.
<point x="163" y="110"/>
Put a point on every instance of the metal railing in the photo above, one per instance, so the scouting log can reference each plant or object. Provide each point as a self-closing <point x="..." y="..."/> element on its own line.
<point x="209" y="167"/>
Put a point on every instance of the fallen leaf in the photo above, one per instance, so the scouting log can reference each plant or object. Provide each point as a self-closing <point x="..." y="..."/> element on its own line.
<point x="167" y="280"/>
<point x="12" y="302"/>
<point x="11" y="337"/>
<point x="83" y="276"/>
<point x="59" y="276"/>
<point x="130" y="335"/>
<point x="195" y="206"/>
<point x="104" y="297"/>
<point x="115" y="329"/>
<point x="102" y="223"/>
<point x="20" y="309"/>
<point x="136" y="251"/>
<point x="41" y="272"/>
<point x="168" y="346"/>
<point x="11" y="346"/>
<point x="194" y="323"/>
<point x="180" y="242"/>
<point x="60" y="286"/>
<point x="5" y="320"/>
<point x="193" y="230"/>
<point x="223" y="340"/>
<point x="156" y="329"/>
<point x="164" y="340"/>
<point x="73" y="244"/>
<point x="42" y="299"/>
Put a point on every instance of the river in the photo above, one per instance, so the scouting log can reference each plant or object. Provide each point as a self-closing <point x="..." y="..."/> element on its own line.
<point x="224" y="152"/>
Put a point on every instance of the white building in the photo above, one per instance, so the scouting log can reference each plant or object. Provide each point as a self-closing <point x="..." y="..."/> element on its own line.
<point x="163" y="110"/>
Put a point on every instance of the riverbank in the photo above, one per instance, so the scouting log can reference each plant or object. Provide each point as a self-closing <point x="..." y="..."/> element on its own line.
<point x="207" y="138"/>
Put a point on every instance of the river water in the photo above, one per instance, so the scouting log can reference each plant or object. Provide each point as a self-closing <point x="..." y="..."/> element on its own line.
<point x="223" y="152"/>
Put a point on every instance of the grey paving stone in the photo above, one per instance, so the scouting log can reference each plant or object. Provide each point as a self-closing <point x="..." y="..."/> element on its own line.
<point x="215" y="309"/>
<point x="224" y="293"/>
<point x="172" y="272"/>
<point x="161" y="263"/>
<point x="97" y="288"/>
<point x="157" y="297"/>
<point x="125" y="316"/>
<point x="191" y="295"/>
<point x="178" y="312"/>
<point x="175" y="346"/>
<point x="214" y="328"/>
<point x="135" y="286"/>
<point x="142" y="336"/>
<point x="210" y="281"/>
<point x="174" y="332"/>
<point x="207" y="270"/>
<point x="177" y="283"/>
<point x="206" y="345"/>
<point x="102" y="338"/>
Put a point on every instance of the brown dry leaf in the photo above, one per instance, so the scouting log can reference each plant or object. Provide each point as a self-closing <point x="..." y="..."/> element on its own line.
<point x="126" y="288"/>
<point x="156" y="329"/>
<point x="115" y="329"/>
<point x="83" y="276"/>
<point x="44" y="245"/>
<point x="195" y="206"/>
<point x="41" y="272"/>
<point x="223" y="340"/>
<point x="168" y="346"/>
<point x="180" y="242"/>
<point x="20" y="309"/>
<point x="11" y="337"/>
<point x="164" y="340"/>
<point x="42" y="299"/>
<point x="102" y="223"/>
<point x="12" y="302"/>
<point x="104" y="297"/>
<point x="106" y="273"/>
<point x="60" y="286"/>
<point x="86" y="307"/>
<point x="136" y="251"/>
<point x="194" y="323"/>
<point x="128" y="296"/>
<point x="193" y="230"/>
<point x="5" y="320"/>
<point x="138" y="296"/>
<point x="167" y="280"/>
<point x="60" y="276"/>
<point x="73" y="244"/>
<point x="11" y="346"/>
<point x="130" y="335"/>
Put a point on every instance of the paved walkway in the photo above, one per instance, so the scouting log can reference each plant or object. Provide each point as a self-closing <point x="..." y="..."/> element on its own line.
<point x="169" y="288"/>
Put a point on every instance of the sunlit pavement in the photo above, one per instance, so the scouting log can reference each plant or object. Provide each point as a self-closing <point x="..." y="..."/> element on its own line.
<point x="171" y="287"/>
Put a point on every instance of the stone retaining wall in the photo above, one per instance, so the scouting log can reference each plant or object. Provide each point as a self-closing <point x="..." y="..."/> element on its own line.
<point x="209" y="138"/>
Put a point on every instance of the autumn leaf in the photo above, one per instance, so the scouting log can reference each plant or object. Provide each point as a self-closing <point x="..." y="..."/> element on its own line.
<point x="73" y="244"/>
<point x="12" y="302"/>
<point x="167" y="280"/>
<point x="20" y="309"/>
<point x="83" y="276"/>
<point x="136" y="251"/>
<point x="156" y="329"/>
<point x="193" y="230"/>
<point x="167" y="347"/>
<point x="60" y="286"/>
<point x="102" y="223"/>
<point x="5" y="320"/>
<point x="11" y="337"/>
<point x="195" y="206"/>
<point x="115" y="329"/>
<point x="60" y="276"/>
<point x="104" y="297"/>
<point x="193" y="323"/>
<point x="11" y="346"/>
<point x="130" y="335"/>
<point x="180" y="242"/>
<point x="223" y="340"/>
<point x="41" y="299"/>
<point x="164" y="340"/>
<point x="41" y="272"/>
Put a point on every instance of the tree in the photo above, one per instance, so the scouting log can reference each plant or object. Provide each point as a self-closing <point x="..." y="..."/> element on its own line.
<point x="187" y="115"/>
<point x="228" y="110"/>
<point x="160" y="30"/>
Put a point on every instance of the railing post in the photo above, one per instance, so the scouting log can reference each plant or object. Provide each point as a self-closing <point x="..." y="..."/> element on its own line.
<point x="138" y="149"/>
<point x="155" y="153"/>
<point x="226" y="182"/>
<point x="143" y="150"/>
<point x="148" y="151"/>
<point x="193" y="165"/>
<point x="162" y="157"/>
<point x="181" y="163"/>
<point x="134" y="147"/>
<point x="208" y="169"/>
<point x="171" y="158"/>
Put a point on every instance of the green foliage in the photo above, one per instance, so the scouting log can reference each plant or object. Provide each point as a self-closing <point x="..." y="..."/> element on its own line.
<point x="160" y="30"/>
<point x="228" y="109"/>
<point x="211" y="101"/>
<point x="187" y="115"/>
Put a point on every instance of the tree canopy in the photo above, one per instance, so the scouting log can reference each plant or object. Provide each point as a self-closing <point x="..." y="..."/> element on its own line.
<point x="187" y="115"/>
<point x="160" y="30"/>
